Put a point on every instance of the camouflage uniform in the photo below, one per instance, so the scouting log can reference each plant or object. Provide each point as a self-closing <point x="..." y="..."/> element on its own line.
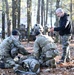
<point x="6" y="46"/>
<point x="65" y="40"/>
<point x="31" y="65"/>
<point x="45" y="50"/>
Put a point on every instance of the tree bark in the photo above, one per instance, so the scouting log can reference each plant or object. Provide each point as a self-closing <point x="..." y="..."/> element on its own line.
<point x="29" y="5"/>
<point x="3" y="19"/>
<point x="13" y="14"/>
<point x="51" y="33"/>
<point x="57" y="22"/>
<point x="46" y="11"/>
<point x="71" y="16"/>
<point x="8" y="20"/>
<point x="38" y="12"/>
<point x="57" y="6"/>
<point x="42" y="12"/>
<point x="18" y="14"/>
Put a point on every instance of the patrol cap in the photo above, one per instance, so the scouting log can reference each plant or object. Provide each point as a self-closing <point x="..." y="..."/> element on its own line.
<point x="15" y="32"/>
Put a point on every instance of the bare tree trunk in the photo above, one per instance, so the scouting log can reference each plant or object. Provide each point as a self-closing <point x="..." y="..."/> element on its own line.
<point x="57" y="21"/>
<point x="29" y="5"/>
<point x="42" y="12"/>
<point x="8" y="20"/>
<point x="51" y="33"/>
<point x="3" y="19"/>
<point x="71" y="16"/>
<point x="51" y="12"/>
<point x="13" y="14"/>
<point x="18" y="13"/>
<point x="57" y="6"/>
<point x="44" y="17"/>
<point x="38" y="12"/>
<point x="46" y="11"/>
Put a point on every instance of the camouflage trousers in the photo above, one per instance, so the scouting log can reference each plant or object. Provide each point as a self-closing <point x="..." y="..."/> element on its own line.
<point x="47" y="58"/>
<point x="8" y="62"/>
<point x="49" y="63"/>
<point x="65" y="40"/>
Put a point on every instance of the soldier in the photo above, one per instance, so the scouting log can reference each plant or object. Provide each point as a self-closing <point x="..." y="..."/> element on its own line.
<point x="22" y="31"/>
<point x="45" y="50"/>
<point x="27" y="65"/>
<point x="9" y="48"/>
<point x="31" y="64"/>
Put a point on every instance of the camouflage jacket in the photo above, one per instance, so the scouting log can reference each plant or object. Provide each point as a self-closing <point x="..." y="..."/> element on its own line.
<point x="8" y="44"/>
<point x="43" y="43"/>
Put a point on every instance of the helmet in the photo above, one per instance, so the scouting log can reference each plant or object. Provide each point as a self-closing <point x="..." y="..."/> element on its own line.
<point x="38" y="27"/>
<point x="47" y="28"/>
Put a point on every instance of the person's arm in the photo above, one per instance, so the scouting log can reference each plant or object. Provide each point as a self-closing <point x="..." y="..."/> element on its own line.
<point x="21" y="48"/>
<point x="23" y="51"/>
<point x="36" y="50"/>
<point x="63" y="25"/>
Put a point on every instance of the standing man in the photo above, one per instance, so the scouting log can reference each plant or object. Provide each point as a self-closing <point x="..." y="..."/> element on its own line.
<point x="64" y="31"/>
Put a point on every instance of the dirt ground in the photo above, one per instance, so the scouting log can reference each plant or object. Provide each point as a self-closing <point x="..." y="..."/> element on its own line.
<point x="62" y="69"/>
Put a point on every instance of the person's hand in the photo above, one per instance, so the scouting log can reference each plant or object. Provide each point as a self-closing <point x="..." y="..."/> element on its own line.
<point x="51" y="29"/>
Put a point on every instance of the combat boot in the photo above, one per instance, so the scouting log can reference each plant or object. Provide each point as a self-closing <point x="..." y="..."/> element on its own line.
<point x="51" y="63"/>
<point x="60" y="62"/>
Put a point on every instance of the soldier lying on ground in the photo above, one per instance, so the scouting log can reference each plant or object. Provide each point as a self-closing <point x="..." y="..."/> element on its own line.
<point x="45" y="50"/>
<point x="27" y="66"/>
<point x="9" y="48"/>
